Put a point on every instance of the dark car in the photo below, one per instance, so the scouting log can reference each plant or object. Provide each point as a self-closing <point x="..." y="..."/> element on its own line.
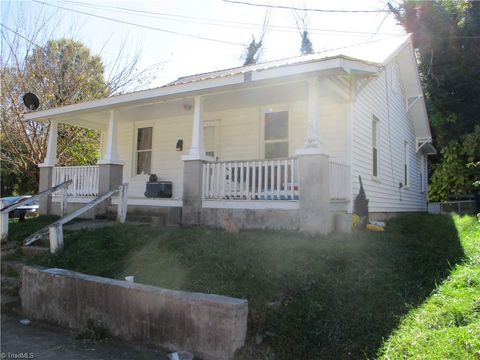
<point x="21" y="211"/>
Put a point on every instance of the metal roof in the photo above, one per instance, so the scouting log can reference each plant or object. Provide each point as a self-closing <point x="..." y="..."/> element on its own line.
<point x="372" y="52"/>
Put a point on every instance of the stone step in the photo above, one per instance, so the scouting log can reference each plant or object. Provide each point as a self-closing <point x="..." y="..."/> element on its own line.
<point x="9" y="245"/>
<point x="6" y="253"/>
<point x="9" y="284"/>
<point x="10" y="304"/>
<point x="33" y="250"/>
<point x="12" y="267"/>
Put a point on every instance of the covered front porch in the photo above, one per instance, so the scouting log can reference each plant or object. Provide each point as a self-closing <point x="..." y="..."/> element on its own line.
<point x="269" y="148"/>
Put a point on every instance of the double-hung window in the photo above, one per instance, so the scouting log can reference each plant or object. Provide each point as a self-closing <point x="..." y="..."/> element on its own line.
<point x="275" y="137"/>
<point x="375" y="137"/>
<point x="405" y="164"/>
<point x="143" y="151"/>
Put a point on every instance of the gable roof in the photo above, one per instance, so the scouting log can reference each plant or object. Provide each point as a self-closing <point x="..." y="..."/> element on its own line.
<point x="372" y="52"/>
<point x="361" y="58"/>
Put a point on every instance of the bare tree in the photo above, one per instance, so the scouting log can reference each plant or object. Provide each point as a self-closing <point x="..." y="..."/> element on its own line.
<point x="60" y="72"/>
<point x="302" y="20"/>
<point x="254" y="49"/>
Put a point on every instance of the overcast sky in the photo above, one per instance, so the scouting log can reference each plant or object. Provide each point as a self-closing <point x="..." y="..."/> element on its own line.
<point x="203" y="35"/>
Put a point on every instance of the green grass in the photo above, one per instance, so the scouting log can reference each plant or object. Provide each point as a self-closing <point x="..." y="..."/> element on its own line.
<point x="447" y="324"/>
<point x="324" y="297"/>
<point x="18" y="231"/>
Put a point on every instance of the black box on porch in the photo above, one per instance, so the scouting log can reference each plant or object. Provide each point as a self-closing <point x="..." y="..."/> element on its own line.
<point x="158" y="189"/>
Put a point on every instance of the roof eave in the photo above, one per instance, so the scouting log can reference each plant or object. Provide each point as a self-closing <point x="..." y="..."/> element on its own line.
<point x="344" y="64"/>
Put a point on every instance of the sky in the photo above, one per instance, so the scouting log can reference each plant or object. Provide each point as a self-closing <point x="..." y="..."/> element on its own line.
<point x="176" y="38"/>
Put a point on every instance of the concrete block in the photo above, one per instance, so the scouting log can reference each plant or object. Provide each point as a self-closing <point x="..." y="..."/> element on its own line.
<point x="343" y="223"/>
<point x="252" y="218"/>
<point x="192" y="192"/>
<point x="212" y="327"/>
<point x="314" y="213"/>
<point x="45" y="182"/>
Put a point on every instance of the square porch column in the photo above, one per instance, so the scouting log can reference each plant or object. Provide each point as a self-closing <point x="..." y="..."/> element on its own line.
<point x="46" y="169"/>
<point x="192" y="170"/>
<point x="110" y="169"/>
<point x="314" y="210"/>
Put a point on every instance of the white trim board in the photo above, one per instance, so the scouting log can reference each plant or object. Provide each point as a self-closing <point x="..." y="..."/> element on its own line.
<point x="250" y="204"/>
<point x="151" y="202"/>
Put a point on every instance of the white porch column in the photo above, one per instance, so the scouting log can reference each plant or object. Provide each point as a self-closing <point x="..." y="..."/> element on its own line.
<point x="46" y="169"/>
<point x="110" y="169"/>
<point x="312" y="140"/>
<point x="197" y="150"/>
<point x="314" y="212"/>
<point x="51" y="157"/>
<point x="111" y="146"/>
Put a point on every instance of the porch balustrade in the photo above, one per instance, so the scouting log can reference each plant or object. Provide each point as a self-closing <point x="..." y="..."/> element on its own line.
<point x="265" y="180"/>
<point x="339" y="180"/>
<point x="85" y="179"/>
<point x="251" y="180"/>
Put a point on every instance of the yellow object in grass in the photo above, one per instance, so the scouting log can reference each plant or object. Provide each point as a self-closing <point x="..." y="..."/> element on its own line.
<point x="355" y="221"/>
<point x="372" y="227"/>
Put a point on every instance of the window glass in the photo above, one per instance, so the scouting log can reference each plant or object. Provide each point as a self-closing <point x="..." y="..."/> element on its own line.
<point x="209" y="140"/>
<point x="144" y="150"/>
<point x="144" y="139"/>
<point x="276" y="150"/>
<point x="405" y="164"/>
<point x="276" y="125"/>
<point x="276" y="135"/>
<point x="375" y="123"/>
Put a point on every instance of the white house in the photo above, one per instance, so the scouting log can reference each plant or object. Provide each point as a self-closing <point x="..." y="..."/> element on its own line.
<point x="277" y="145"/>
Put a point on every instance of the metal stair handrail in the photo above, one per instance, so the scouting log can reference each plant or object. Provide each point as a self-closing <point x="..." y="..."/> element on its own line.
<point x="41" y="194"/>
<point x="5" y="210"/>
<point x="55" y="229"/>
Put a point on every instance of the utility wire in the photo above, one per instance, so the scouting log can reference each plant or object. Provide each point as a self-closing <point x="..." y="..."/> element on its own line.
<point x="20" y="35"/>
<point x="304" y="9"/>
<point x="142" y="26"/>
<point x="224" y="23"/>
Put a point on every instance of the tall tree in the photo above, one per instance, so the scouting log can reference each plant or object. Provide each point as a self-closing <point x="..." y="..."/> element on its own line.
<point x="62" y="72"/>
<point x="302" y="20"/>
<point x="254" y="50"/>
<point x="447" y="37"/>
<point x="59" y="72"/>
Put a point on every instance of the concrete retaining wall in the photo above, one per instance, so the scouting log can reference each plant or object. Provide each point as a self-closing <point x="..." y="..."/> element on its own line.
<point x="251" y="219"/>
<point x="210" y="326"/>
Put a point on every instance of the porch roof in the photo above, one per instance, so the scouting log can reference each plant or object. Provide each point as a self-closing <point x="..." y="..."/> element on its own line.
<point x="363" y="58"/>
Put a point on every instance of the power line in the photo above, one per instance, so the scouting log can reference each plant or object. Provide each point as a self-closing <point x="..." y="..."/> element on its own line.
<point x="224" y="23"/>
<point x="304" y="9"/>
<point x="20" y="35"/>
<point x="143" y="26"/>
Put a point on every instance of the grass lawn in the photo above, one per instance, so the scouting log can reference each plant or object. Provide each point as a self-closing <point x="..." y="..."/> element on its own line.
<point x="18" y="231"/>
<point x="410" y="292"/>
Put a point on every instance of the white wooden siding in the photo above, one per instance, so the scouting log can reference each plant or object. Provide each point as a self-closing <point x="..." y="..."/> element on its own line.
<point x="395" y="128"/>
<point x="240" y="136"/>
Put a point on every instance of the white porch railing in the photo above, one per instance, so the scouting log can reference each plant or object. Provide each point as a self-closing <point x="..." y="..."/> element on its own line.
<point x="251" y="180"/>
<point x="85" y="179"/>
<point x="339" y="181"/>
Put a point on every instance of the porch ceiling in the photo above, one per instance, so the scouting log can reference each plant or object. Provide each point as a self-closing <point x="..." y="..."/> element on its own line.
<point x="246" y="97"/>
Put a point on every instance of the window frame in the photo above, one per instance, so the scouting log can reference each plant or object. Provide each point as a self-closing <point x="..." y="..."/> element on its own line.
<point x="406" y="164"/>
<point x="375" y="147"/>
<point x="263" y="142"/>
<point x="423" y="174"/>
<point x="136" y="151"/>
<point x="216" y="135"/>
